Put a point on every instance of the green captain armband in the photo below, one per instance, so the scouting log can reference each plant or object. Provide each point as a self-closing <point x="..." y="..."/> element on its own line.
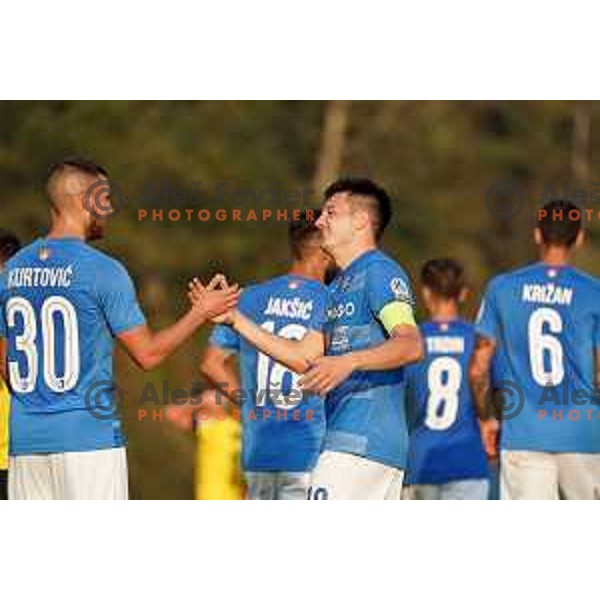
<point x="396" y="313"/>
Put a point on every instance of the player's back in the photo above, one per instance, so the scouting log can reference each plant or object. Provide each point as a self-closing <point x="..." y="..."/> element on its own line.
<point x="445" y="440"/>
<point x="282" y="430"/>
<point x="545" y="320"/>
<point x="63" y="301"/>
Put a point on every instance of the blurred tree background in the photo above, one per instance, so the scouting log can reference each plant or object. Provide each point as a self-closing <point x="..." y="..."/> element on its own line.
<point x="436" y="158"/>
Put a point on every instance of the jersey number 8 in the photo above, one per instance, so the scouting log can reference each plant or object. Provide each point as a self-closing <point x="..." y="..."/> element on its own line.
<point x="443" y="380"/>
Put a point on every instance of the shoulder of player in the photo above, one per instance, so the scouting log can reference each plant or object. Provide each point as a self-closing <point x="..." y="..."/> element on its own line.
<point x="379" y="261"/>
<point x="105" y="266"/>
<point x="22" y="254"/>
<point x="586" y="278"/>
<point x="504" y="280"/>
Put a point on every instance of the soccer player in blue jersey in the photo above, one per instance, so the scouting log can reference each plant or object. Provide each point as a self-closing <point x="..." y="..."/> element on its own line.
<point x="357" y="359"/>
<point x="544" y="319"/>
<point x="282" y="431"/>
<point x="62" y="303"/>
<point x="446" y="456"/>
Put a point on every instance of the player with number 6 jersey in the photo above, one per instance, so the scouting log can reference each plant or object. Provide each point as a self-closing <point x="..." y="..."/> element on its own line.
<point x="545" y="318"/>
<point x="283" y="429"/>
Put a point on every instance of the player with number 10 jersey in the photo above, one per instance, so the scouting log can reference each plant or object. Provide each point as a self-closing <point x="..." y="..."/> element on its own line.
<point x="283" y="428"/>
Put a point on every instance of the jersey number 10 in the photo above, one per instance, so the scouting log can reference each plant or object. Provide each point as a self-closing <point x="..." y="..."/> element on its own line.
<point x="270" y="375"/>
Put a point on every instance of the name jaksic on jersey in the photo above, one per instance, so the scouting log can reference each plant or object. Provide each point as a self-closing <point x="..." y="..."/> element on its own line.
<point x="282" y="429"/>
<point x="366" y="413"/>
<point x="545" y="321"/>
<point x="63" y="302"/>
<point x="445" y="439"/>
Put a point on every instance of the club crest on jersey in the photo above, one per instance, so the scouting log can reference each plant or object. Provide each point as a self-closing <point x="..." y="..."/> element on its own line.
<point x="400" y="290"/>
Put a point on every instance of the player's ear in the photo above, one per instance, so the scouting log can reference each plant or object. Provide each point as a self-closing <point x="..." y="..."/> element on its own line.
<point x="426" y="293"/>
<point x="464" y="293"/>
<point x="580" y="239"/>
<point x="537" y="236"/>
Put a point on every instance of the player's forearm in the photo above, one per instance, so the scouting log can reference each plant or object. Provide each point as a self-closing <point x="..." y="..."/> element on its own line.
<point x="479" y="373"/>
<point x="164" y="342"/>
<point x="479" y="380"/>
<point x="393" y="353"/>
<point x="221" y="375"/>
<point x="294" y="354"/>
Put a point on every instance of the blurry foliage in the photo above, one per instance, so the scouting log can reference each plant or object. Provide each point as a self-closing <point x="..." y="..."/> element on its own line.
<point x="437" y="158"/>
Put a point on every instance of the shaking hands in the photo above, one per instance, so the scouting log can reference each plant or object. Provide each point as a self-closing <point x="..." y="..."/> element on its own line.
<point x="217" y="300"/>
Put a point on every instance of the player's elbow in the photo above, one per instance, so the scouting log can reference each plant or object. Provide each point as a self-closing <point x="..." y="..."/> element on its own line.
<point x="148" y="361"/>
<point x="418" y="348"/>
<point x="209" y="369"/>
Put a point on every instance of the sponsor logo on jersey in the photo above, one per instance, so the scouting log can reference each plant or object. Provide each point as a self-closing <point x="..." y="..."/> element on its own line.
<point x="343" y="309"/>
<point x="400" y="290"/>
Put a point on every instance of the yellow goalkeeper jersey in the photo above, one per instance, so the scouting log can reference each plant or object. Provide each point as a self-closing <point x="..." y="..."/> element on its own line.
<point x="4" y="407"/>
<point x="218" y="475"/>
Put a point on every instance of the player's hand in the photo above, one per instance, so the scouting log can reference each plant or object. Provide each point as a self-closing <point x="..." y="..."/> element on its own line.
<point x="326" y="373"/>
<point x="215" y="299"/>
<point x="489" y="435"/>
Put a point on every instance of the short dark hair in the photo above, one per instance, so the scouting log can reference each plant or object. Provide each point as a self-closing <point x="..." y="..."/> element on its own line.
<point x="9" y="245"/>
<point x="381" y="205"/>
<point x="303" y="231"/>
<point x="445" y="277"/>
<point x="556" y="226"/>
<point x="80" y="163"/>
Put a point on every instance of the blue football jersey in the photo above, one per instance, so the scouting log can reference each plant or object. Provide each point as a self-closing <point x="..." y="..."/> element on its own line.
<point x="282" y="430"/>
<point x="545" y="321"/>
<point x="62" y="303"/>
<point x="366" y="414"/>
<point x="445" y="439"/>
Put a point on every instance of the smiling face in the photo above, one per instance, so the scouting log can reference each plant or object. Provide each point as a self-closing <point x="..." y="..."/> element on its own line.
<point x="337" y="222"/>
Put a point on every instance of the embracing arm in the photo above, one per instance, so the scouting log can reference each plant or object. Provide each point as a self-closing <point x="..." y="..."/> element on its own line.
<point x="404" y="346"/>
<point x="294" y="354"/>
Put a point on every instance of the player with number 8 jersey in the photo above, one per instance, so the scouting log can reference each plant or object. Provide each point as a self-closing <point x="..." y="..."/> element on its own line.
<point x="446" y="456"/>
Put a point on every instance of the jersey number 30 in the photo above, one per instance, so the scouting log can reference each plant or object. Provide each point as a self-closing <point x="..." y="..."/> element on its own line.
<point x="25" y="382"/>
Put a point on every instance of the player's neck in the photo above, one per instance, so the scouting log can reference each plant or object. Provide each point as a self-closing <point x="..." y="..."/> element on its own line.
<point x="306" y="270"/>
<point x="346" y="255"/>
<point x="444" y="310"/>
<point x="66" y="229"/>
<point x="555" y="256"/>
